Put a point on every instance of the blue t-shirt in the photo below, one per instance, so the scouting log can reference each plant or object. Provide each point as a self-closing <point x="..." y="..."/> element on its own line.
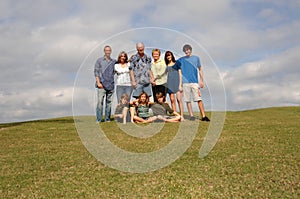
<point x="190" y="68"/>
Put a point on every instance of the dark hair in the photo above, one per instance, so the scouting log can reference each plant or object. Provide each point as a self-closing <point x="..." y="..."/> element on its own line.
<point x="186" y="47"/>
<point x="107" y="46"/>
<point x="147" y="97"/>
<point x="119" y="57"/>
<point x="159" y="95"/>
<point x="167" y="54"/>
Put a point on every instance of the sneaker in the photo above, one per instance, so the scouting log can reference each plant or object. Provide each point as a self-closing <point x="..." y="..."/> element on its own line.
<point x="192" y="118"/>
<point x="206" y="119"/>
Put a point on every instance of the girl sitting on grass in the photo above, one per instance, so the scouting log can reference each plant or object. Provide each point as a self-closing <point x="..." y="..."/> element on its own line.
<point x="141" y="106"/>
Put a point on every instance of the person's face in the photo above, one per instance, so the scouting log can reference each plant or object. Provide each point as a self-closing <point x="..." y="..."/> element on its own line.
<point x="143" y="98"/>
<point x="122" y="58"/>
<point x="140" y="49"/>
<point x="107" y="51"/>
<point x="160" y="100"/>
<point x="169" y="57"/>
<point x="155" y="55"/>
<point x="124" y="101"/>
<point x="188" y="52"/>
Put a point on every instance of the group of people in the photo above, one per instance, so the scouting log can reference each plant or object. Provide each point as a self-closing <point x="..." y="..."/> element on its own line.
<point x="141" y="78"/>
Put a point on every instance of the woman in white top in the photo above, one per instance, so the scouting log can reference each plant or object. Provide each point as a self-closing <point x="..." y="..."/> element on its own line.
<point x="123" y="82"/>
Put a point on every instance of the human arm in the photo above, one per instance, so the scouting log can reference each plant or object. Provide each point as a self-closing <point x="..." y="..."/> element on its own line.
<point x="98" y="82"/>
<point x="97" y="73"/>
<point x="201" y="82"/>
<point x="152" y="79"/>
<point x="134" y="102"/>
<point x="180" y="80"/>
<point x="133" y="82"/>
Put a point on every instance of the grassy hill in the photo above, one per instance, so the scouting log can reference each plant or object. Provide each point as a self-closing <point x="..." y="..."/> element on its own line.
<point x="257" y="156"/>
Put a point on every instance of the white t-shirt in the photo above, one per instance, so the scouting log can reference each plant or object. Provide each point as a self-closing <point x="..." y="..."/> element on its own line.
<point x="123" y="77"/>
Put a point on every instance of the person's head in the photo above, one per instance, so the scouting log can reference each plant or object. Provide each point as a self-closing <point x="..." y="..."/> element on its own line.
<point x="107" y="51"/>
<point x="140" y="48"/>
<point x="187" y="49"/>
<point x="143" y="98"/>
<point x="160" y="97"/>
<point x="156" y="54"/>
<point x="169" y="57"/>
<point x="123" y="58"/>
<point x="124" y="98"/>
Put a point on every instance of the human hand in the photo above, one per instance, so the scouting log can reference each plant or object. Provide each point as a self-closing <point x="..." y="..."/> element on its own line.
<point x="180" y="88"/>
<point x="201" y="84"/>
<point x="99" y="85"/>
<point x="134" y="85"/>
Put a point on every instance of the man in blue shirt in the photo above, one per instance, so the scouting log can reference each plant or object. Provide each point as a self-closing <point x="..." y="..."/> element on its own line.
<point x="140" y="71"/>
<point x="191" y="71"/>
<point x="104" y="74"/>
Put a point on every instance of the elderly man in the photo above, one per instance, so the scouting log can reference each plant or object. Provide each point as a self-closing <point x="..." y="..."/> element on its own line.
<point x="140" y="71"/>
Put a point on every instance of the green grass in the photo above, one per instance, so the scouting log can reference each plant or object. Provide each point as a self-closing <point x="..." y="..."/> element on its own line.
<point x="257" y="156"/>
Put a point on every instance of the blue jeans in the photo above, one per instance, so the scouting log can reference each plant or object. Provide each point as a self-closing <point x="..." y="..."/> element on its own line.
<point x="108" y="94"/>
<point x="123" y="89"/>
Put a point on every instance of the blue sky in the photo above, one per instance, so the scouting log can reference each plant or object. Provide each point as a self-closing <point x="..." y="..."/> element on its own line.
<point x="255" y="45"/>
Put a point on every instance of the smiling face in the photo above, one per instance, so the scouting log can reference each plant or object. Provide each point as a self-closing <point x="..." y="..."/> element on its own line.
<point x="123" y="58"/>
<point x="140" y="48"/>
<point x="124" y="101"/>
<point x="160" y="100"/>
<point x="143" y="98"/>
<point x="188" y="52"/>
<point x="155" y="55"/>
<point x="107" y="51"/>
<point x="169" y="57"/>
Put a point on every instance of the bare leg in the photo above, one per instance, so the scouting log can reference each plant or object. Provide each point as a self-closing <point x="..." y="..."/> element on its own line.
<point x="138" y="119"/>
<point x="141" y="120"/>
<point x="179" y="101"/>
<point x="201" y="108"/>
<point x="172" y="99"/>
<point x="175" y="119"/>
<point x="189" y="107"/>
<point x="125" y="110"/>
<point x="132" y="112"/>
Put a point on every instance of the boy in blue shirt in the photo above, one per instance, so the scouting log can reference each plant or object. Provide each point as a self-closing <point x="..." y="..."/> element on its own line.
<point x="191" y="71"/>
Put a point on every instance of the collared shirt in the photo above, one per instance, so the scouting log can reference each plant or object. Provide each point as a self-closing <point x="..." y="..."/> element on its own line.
<point x="159" y="70"/>
<point x="141" y="67"/>
<point x="104" y="70"/>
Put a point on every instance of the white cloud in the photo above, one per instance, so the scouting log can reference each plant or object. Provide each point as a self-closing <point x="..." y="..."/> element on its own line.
<point x="273" y="81"/>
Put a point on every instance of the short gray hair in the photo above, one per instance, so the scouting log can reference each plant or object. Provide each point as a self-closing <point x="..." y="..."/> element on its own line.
<point x="140" y="44"/>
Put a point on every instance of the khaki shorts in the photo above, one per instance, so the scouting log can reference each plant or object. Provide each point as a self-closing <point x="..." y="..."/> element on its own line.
<point x="191" y="90"/>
